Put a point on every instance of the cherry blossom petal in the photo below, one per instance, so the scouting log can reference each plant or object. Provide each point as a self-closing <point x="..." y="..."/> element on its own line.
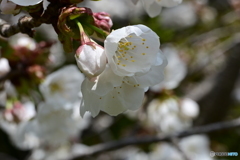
<point x="122" y="98"/>
<point x="106" y="81"/>
<point x="132" y="49"/>
<point x="26" y="2"/>
<point x="116" y="101"/>
<point x="168" y="3"/>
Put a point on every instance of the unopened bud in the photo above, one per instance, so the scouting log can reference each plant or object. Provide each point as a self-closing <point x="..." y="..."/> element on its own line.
<point x="91" y="59"/>
<point x="102" y="20"/>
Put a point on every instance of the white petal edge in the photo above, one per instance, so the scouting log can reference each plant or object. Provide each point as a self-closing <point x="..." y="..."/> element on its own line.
<point x="26" y="2"/>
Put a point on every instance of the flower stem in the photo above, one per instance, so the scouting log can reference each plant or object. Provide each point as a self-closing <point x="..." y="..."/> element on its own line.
<point x="84" y="38"/>
<point x="97" y="30"/>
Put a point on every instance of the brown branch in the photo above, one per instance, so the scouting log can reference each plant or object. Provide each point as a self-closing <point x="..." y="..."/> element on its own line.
<point x="99" y="148"/>
<point x="24" y="25"/>
<point x="216" y="103"/>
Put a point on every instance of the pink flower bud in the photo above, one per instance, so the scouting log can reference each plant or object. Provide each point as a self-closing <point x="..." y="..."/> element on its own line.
<point x="91" y="59"/>
<point x="103" y="21"/>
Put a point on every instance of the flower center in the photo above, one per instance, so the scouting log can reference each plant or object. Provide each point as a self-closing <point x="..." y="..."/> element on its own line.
<point x="129" y="49"/>
<point x="55" y="87"/>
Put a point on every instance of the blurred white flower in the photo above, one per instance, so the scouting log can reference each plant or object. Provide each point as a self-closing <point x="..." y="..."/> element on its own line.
<point x="102" y="122"/>
<point x="189" y="108"/>
<point x="175" y="71"/>
<point x="182" y="16"/>
<point x="195" y="147"/>
<point x="63" y="85"/>
<point x="91" y="59"/>
<point x="26" y="2"/>
<point x="165" y="151"/>
<point x="78" y="148"/>
<point x="21" y="40"/>
<point x="137" y="156"/>
<point x="57" y="124"/>
<point x="8" y="7"/>
<point x="20" y="112"/>
<point x="172" y="115"/>
<point x="60" y="153"/>
<point x="16" y="122"/>
<point x="26" y="135"/>
<point x="124" y="9"/>
<point x="66" y="151"/>
<point x="4" y="66"/>
<point x="54" y="125"/>
<point x="208" y="14"/>
<point x="154" y="7"/>
<point x="10" y="89"/>
<point x="127" y="153"/>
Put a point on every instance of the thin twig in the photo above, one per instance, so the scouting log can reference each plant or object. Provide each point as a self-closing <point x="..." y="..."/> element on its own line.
<point x="99" y="148"/>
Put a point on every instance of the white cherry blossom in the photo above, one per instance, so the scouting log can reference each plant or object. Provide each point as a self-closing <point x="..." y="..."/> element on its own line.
<point x="63" y="85"/>
<point x="26" y="135"/>
<point x="195" y="147"/>
<point x="132" y="50"/>
<point x="23" y="41"/>
<point x="180" y="17"/>
<point x="58" y="124"/>
<point x="129" y="153"/>
<point x="20" y="112"/>
<point x="135" y="63"/>
<point x="172" y="115"/>
<point x="91" y="59"/>
<point x="154" y="7"/>
<point x="115" y="94"/>
<point x="17" y="123"/>
<point x="113" y="100"/>
<point x="26" y="2"/>
<point x="123" y="10"/>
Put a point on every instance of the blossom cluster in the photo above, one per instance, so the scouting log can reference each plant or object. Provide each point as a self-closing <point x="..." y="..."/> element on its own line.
<point x="29" y="128"/>
<point x="119" y="74"/>
<point x="125" y="70"/>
